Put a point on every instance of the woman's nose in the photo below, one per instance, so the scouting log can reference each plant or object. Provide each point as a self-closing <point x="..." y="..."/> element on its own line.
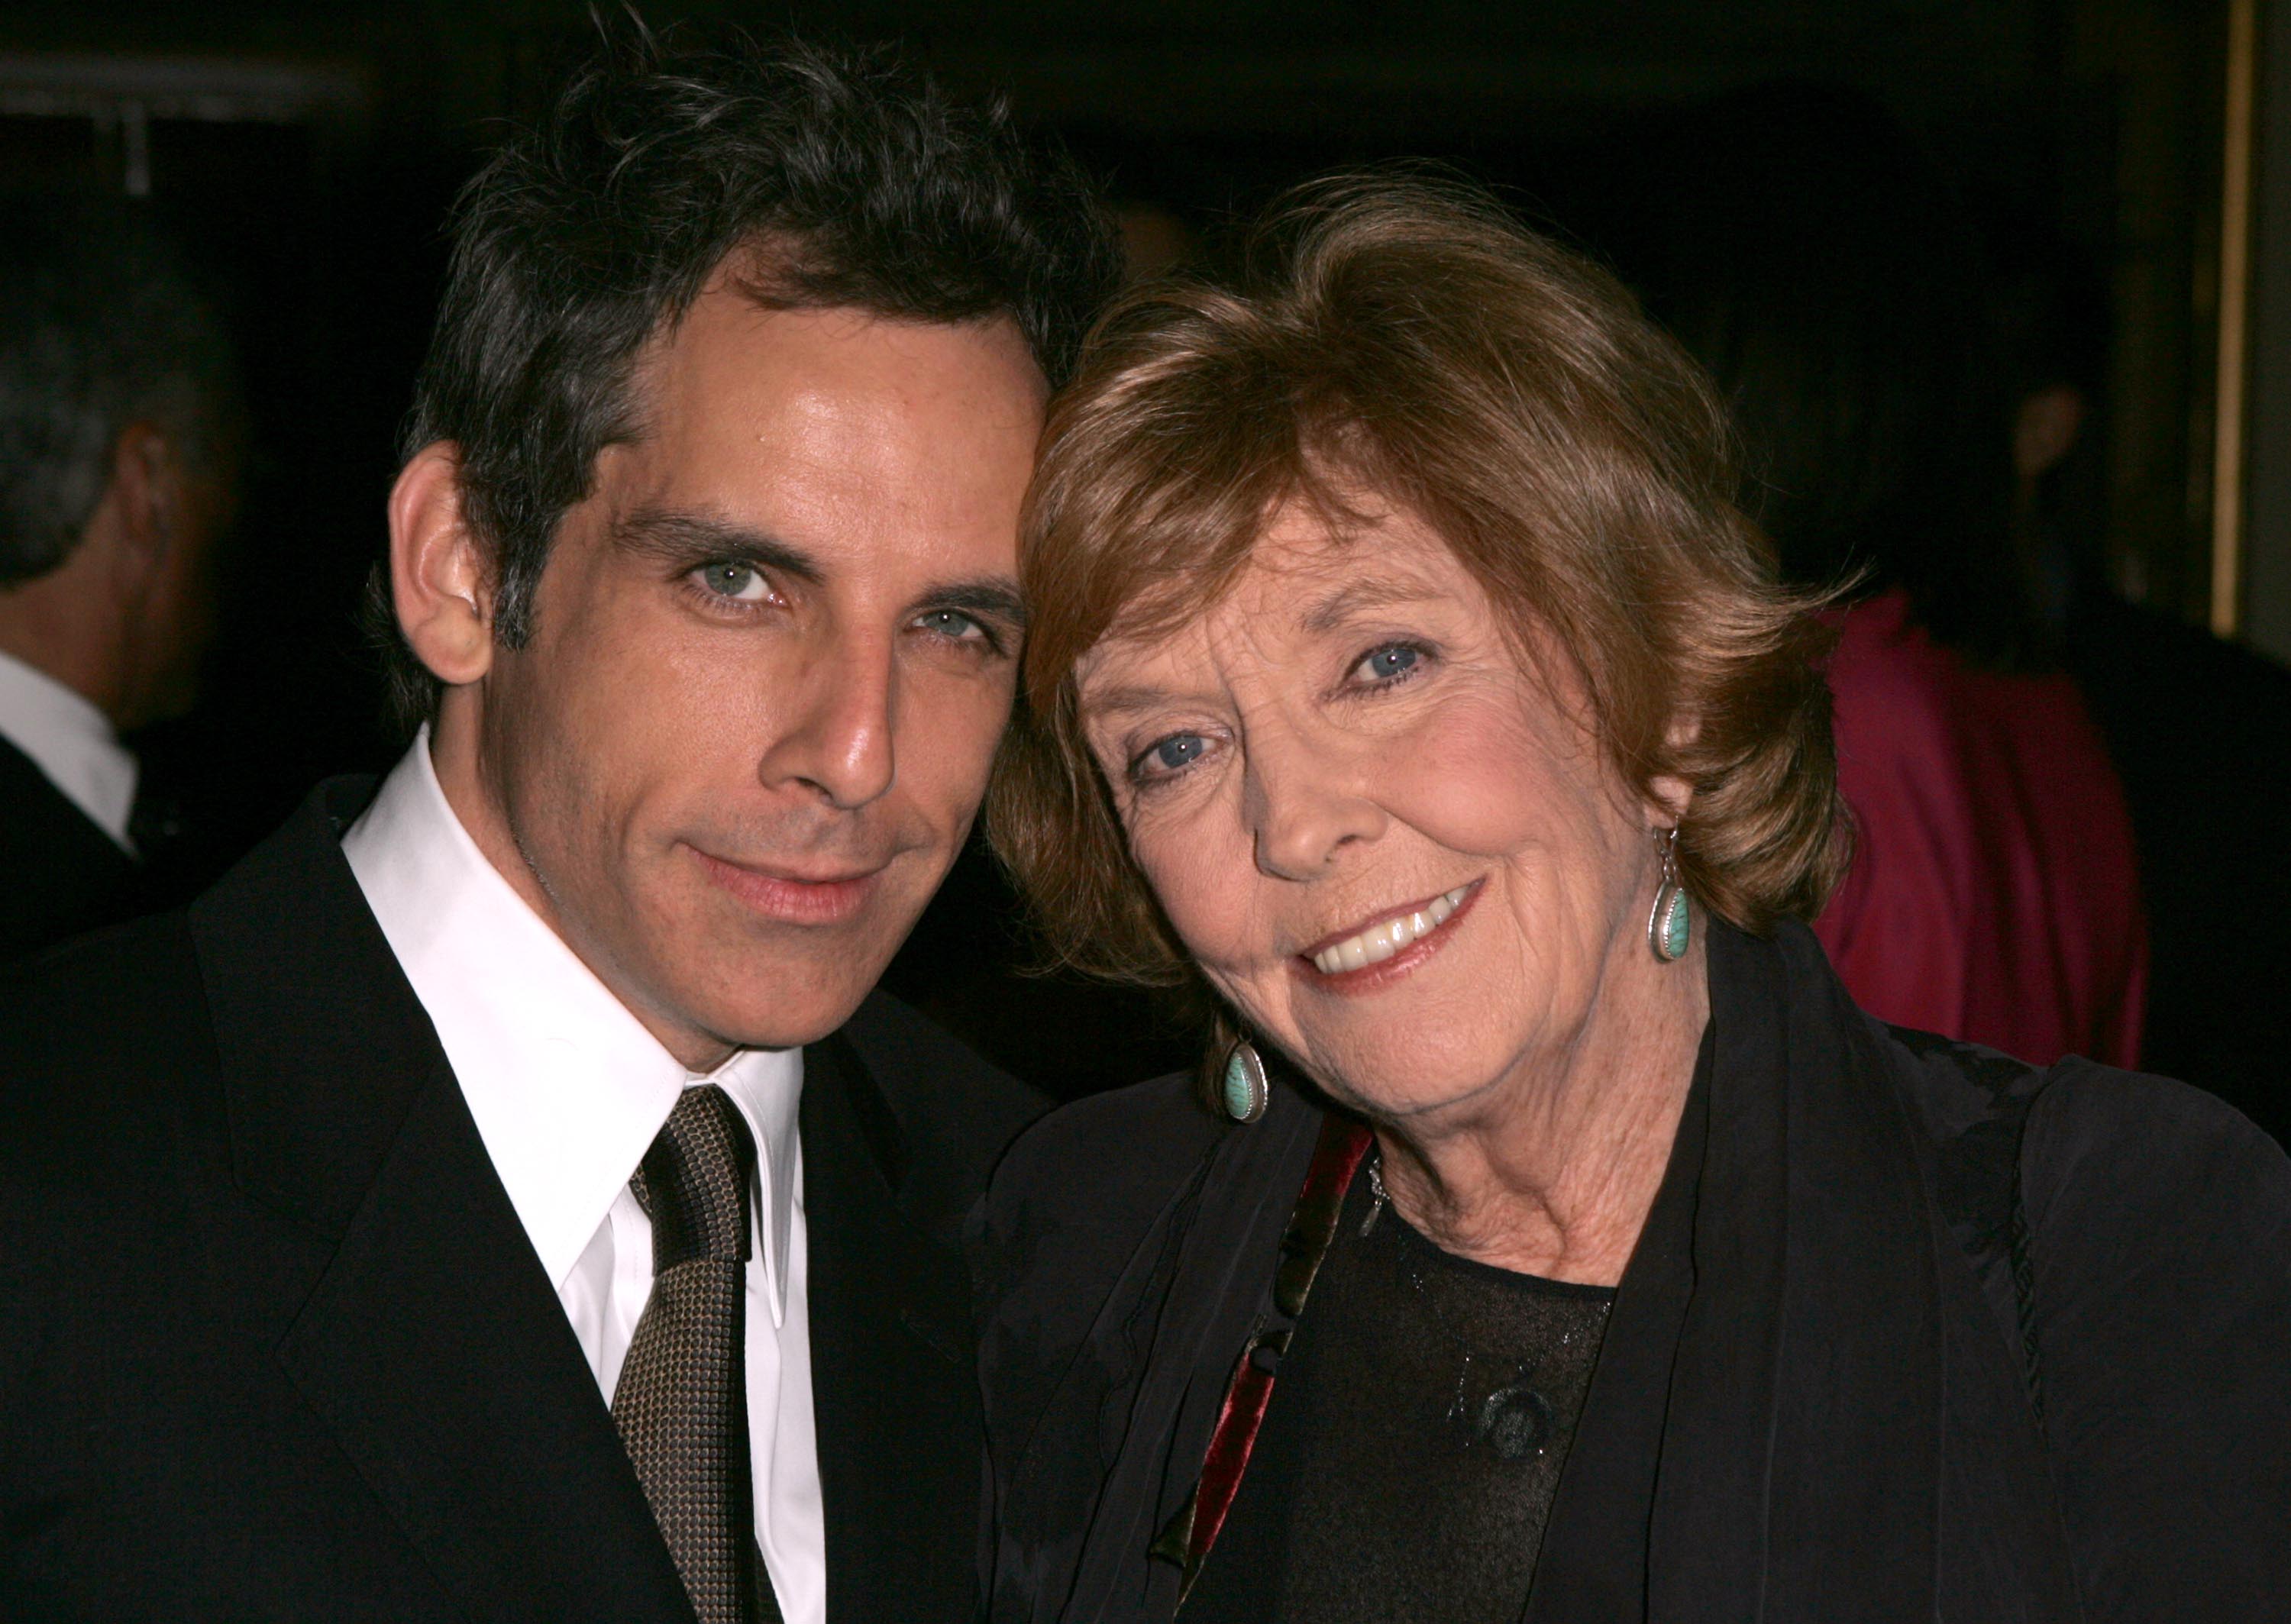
<point x="1304" y="813"/>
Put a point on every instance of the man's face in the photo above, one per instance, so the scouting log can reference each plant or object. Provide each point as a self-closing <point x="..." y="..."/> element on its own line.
<point x="772" y="656"/>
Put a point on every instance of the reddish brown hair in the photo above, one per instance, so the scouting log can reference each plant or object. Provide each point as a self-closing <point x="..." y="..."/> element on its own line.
<point x="1406" y="338"/>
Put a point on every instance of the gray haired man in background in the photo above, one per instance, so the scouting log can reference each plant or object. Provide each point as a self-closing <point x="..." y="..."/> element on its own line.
<point x="118" y="453"/>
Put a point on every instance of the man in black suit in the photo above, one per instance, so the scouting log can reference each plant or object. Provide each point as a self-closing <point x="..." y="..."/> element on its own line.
<point x="117" y="465"/>
<point x="501" y="1197"/>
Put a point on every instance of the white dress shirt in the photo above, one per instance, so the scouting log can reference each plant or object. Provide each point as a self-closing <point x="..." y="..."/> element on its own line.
<point x="568" y="1090"/>
<point x="71" y="742"/>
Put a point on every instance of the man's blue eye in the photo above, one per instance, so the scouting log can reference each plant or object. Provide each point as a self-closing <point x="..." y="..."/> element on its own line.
<point x="950" y="623"/>
<point x="1178" y="751"/>
<point x="1385" y="663"/>
<point x="732" y="579"/>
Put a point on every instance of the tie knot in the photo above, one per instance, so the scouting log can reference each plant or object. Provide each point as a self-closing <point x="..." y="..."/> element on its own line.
<point x="693" y="1182"/>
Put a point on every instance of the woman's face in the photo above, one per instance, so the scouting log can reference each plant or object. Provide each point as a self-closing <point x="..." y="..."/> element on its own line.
<point x="1399" y="851"/>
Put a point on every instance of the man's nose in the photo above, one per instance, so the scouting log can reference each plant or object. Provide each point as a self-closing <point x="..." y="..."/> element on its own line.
<point x="837" y="739"/>
<point x="1304" y="808"/>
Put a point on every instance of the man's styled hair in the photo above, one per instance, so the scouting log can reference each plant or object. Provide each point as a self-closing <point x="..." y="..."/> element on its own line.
<point x="1404" y="341"/>
<point x="853" y="179"/>
<point x="101" y="324"/>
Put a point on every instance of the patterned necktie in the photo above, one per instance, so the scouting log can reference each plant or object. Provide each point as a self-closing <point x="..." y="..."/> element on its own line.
<point x="681" y="1404"/>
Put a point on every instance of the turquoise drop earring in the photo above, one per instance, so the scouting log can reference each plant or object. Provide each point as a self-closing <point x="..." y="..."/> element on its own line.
<point x="1247" y="1089"/>
<point x="1670" y="926"/>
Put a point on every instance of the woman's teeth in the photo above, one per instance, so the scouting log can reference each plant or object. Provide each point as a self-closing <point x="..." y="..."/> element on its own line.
<point x="1378" y="942"/>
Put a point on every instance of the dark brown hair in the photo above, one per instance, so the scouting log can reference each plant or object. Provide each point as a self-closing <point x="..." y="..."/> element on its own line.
<point x="585" y="238"/>
<point x="1403" y="337"/>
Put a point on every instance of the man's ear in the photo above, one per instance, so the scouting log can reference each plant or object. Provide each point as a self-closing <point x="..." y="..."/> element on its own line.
<point x="149" y="496"/>
<point x="438" y="582"/>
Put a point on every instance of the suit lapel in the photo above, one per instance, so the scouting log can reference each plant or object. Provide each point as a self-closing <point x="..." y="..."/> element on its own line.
<point x="893" y="1391"/>
<point x="432" y="1344"/>
<point x="438" y="1351"/>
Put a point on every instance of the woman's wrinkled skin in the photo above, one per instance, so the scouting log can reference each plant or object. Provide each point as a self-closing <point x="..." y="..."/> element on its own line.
<point x="1349" y="732"/>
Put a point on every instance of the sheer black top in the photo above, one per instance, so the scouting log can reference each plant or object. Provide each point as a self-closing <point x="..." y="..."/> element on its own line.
<point x="1414" y="1440"/>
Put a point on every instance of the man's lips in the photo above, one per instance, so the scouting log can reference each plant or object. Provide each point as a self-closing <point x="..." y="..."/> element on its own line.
<point x="791" y="895"/>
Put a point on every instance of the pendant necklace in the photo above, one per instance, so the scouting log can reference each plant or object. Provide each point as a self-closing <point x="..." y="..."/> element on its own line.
<point x="1514" y="1420"/>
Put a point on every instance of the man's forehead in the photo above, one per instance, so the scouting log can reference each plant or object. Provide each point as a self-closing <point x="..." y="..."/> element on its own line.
<point x="735" y="308"/>
<point x="931" y="418"/>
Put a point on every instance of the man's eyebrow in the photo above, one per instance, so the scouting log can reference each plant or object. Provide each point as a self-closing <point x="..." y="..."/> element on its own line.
<point x="993" y="596"/>
<point x="685" y="538"/>
<point x="676" y="537"/>
<point x="1368" y="592"/>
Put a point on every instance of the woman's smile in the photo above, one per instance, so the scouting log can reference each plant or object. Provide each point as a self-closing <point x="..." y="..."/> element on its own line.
<point x="1370" y="956"/>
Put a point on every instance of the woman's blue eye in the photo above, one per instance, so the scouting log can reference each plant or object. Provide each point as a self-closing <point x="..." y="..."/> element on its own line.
<point x="1176" y="752"/>
<point x="1383" y="664"/>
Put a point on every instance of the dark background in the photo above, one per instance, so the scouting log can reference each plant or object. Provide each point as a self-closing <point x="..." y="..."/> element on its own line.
<point x="308" y="152"/>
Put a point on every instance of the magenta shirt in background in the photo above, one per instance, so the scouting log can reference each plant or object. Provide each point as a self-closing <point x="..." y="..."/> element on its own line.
<point x="1994" y="894"/>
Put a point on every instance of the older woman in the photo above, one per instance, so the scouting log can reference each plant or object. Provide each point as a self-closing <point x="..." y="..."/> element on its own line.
<point x="1556" y="1239"/>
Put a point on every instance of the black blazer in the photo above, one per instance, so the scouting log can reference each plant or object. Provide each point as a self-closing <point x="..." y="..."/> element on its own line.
<point x="59" y="874"/>
<point x="1913" y="1331"/>
<point x="273" y="1344"/>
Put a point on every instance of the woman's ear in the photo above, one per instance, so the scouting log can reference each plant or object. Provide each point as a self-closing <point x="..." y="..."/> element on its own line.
<point x="1670" y="795"/>
<point x="438" y="581"/>
<point x="1669" y="799"/>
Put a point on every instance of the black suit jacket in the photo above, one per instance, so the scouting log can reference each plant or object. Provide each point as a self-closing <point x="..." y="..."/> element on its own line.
<point x="59" y="874"/>
<point x="274" y="1346"/>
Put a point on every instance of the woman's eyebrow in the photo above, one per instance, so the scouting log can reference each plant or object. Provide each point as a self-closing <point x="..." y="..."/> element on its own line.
<point x="1124" y="700"/>
<point x="1334" y="610"/>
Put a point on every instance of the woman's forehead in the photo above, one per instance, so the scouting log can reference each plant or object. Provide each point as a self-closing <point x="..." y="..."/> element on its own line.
<point x="1303" y="578"/>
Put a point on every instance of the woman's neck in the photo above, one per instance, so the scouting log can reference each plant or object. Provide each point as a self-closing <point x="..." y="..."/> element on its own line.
<point x="1553" y="1173"/>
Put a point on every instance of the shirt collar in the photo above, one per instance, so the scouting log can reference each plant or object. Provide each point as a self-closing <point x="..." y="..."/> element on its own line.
<point x="568" y="1086"/>
<point x="768" y="1086"/>
<point x="71" y="742"/>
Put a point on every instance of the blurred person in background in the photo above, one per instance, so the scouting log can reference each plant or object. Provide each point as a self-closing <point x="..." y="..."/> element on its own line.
<point x="120" y="438"/>
<point x="2195" y="725"/>
<point x="1803" y="249"/>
